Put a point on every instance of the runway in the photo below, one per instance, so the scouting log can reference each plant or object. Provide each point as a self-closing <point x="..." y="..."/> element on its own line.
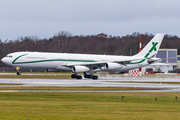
<point x="102" y="82"/>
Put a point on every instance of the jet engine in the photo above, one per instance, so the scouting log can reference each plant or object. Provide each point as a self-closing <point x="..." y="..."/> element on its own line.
<point x="111" y="66"/>
<point x="80" y="69"/>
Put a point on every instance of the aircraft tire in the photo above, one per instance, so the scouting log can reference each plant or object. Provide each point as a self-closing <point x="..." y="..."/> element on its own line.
<point x="78" y="77"/>
<point x="18" y="73"/>
<point x="73" y="76"/>
<point x="87" y="76"/>
<point x="95" y="77"/>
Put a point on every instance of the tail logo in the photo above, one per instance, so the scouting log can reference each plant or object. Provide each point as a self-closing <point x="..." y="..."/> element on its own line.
<point x="153" y="48"/>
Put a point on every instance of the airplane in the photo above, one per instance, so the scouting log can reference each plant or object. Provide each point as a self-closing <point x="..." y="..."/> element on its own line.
<point x="85" y="63"/>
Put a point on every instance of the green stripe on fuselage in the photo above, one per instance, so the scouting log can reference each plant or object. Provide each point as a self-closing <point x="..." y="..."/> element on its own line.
<point x="18" y="58"/>
<point x="153" y="48"/>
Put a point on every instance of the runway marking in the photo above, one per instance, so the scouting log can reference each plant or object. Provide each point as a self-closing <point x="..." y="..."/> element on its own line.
<point x="118" y="83"/>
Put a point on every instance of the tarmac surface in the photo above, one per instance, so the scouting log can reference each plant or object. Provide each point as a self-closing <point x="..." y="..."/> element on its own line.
<point x="126" y="82"/>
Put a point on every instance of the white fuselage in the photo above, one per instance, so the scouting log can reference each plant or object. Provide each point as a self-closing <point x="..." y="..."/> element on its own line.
<point x="59" y="61"/>
<point x="85" y="63"/>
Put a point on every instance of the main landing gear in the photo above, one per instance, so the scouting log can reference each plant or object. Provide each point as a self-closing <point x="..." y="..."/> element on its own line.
<point x="76" y="76"/>
<point x="89" y="76"/>
<point x="94" y="77"/>
<point x="18" y="70"/>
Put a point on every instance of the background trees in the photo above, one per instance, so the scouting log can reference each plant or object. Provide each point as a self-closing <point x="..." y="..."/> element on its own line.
<point x="91" y="44"/>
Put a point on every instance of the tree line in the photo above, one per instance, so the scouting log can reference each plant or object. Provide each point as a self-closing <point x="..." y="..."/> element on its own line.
<point x="64" y="42"/>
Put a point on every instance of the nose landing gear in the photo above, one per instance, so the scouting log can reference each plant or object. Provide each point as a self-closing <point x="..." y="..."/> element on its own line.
<point x="18" y="70"/>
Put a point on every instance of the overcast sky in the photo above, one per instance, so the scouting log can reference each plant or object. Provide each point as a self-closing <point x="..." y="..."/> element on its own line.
<point x="44" y="18"/>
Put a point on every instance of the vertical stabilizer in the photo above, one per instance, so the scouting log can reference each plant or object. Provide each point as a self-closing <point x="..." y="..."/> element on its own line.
<point x="151" y="49"/>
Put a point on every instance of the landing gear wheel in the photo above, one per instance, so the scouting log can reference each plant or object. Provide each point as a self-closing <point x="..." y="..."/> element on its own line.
<point x="94" y="77"/>
<point x="78" y="77"/>
<point x="18" y="73"/>
<point x="73" y="76"/>
<point x="88" y="76"/>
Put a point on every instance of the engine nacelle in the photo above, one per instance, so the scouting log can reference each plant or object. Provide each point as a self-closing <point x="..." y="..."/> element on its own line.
<point x="111" y="66"/>
<point x="80" y="69"/>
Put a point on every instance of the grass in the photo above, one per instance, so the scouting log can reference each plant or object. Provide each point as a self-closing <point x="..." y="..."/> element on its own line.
<point x="88" y="106"/>
<point x="4" y="84"/>
<point x="37" y="76"/>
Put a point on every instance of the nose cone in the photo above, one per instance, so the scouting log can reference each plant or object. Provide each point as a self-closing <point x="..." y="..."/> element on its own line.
<point x="5" y="61"/>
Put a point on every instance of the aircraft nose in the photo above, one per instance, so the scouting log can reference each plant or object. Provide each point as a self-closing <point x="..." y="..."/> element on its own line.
<point x="3" y="59"/>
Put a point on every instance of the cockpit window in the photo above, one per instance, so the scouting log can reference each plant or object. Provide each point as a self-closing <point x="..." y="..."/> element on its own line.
<point x="9" y="56"/>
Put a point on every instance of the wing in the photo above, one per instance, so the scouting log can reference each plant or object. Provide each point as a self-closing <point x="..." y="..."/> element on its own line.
<point x="99" y="64"/>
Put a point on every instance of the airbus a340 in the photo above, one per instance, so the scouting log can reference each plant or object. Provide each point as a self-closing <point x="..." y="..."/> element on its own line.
<point x="85" y="63"/>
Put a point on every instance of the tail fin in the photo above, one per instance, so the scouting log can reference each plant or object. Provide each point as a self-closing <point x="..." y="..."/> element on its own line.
<point x="151" y="49"/>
